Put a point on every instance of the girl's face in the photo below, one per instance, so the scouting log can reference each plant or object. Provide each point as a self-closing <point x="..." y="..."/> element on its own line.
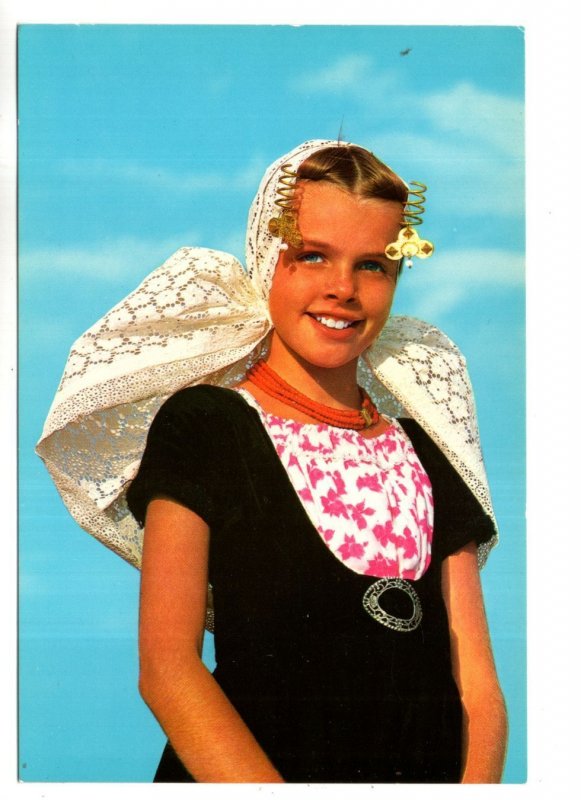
<point x="331" y="297"/>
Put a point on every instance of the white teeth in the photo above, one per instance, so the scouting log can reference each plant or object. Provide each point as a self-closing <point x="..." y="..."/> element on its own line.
<point x="339" y="324"/>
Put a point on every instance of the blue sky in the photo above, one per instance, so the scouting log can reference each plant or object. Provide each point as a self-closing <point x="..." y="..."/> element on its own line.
<point x="137" y="140"/>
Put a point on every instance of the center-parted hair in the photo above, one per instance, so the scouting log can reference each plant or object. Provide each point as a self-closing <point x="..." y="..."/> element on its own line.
<point x="355" y="170"/>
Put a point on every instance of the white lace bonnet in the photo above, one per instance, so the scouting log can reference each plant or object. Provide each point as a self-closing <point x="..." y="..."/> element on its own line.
<point x="200" y="318"/>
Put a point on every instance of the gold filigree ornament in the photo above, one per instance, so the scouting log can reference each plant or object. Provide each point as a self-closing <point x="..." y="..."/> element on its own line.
<point x="286" y="226"/>
<point x="408" y="243"/>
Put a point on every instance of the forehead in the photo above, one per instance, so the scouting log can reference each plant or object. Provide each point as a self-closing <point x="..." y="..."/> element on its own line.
<point x="326" y="212"/>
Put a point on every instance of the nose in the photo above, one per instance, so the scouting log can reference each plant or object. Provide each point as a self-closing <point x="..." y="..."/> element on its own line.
<point x="341" y="284"/>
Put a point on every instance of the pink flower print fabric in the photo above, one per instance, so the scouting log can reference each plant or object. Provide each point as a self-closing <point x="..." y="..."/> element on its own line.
<point x="369" y="499"/>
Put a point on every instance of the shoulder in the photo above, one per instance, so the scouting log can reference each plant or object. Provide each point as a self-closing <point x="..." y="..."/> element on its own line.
<point x="191" y="454"/>
<point x="458" y="514"/>
<point x="202" y="399"/>
<point x="434" y="461"/>
<point x="421" y="441"/>
<point x="203" y="412"/>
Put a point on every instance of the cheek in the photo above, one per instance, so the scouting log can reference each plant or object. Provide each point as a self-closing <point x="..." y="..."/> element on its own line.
<point x="283" y="302"/>
<point x="278" y="292"/>
<point x="291" y="290"/>
<point x="380" y="301"/>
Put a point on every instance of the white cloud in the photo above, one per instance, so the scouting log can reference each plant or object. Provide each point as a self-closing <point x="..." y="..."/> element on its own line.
<point x="463" y="109"/>
<point x="500" y="268"/>
<point x="104" y="261"/>
<point x="246" y="178"/>
<point x="353" y="75"/>
<point x="482" y="116"/>
<point x="465" y="177"/>
<point x="344" y="74"/>
<point x="444" y="285"/>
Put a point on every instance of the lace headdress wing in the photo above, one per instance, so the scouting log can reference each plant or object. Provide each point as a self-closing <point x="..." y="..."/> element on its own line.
<point x="190" y="320"/>
<point x="200" y="318"/>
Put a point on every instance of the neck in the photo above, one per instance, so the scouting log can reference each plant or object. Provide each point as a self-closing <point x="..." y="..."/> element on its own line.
<point x="335" y="387"/>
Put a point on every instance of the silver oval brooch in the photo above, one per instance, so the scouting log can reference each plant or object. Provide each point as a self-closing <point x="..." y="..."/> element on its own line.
<point x="371" y="604"/>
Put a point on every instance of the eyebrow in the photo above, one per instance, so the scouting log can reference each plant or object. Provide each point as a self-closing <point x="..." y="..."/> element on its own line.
<point x="327" y="246"/>
<point x="316" y="243"/>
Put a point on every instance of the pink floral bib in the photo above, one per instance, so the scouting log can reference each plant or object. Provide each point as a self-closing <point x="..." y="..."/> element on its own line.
<point x="369" y="499"/>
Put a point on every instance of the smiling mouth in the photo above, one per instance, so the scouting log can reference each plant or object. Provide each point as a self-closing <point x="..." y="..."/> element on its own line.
<point x="333" y="322"/>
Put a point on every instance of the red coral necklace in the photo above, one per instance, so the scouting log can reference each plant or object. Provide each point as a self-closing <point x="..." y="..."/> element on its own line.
<point x="265" y="378"/>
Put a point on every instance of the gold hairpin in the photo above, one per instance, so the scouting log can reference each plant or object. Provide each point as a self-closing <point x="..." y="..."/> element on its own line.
<point x="408" y="244"/>
<point x="286" y="226"/>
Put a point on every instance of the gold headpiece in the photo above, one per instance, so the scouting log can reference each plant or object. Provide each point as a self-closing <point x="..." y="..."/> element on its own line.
<point x="408" y="244"/>
<point x="285" y="226"/>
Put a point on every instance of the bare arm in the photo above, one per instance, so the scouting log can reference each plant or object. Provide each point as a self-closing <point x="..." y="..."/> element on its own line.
<point x="484" y="712"/>
<point x="209" y="736"/>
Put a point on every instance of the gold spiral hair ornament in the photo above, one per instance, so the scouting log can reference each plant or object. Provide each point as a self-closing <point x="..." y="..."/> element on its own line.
<point x="408" y="243"/>
<point x="412" y="213"/>
<point x="285" y="225"/>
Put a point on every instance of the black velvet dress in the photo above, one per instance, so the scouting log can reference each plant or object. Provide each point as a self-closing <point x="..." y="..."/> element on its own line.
<point x="330" y="694"/>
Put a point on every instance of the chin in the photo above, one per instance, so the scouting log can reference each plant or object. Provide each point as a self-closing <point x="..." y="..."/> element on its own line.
<point x="331" y="360"/>
<point x="317" y="353"/>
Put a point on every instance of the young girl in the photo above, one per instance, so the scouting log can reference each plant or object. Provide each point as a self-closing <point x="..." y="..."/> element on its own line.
<point x="339" y="527"/>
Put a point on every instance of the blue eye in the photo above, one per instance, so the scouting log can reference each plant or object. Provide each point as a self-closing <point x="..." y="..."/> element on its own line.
<point x="372" y="266"/>
<point x="310" y="258"/>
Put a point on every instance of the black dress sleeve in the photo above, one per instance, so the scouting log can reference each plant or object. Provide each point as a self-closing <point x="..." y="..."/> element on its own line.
<point x="458" y="516"/>
<point x="184" y="457"/>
